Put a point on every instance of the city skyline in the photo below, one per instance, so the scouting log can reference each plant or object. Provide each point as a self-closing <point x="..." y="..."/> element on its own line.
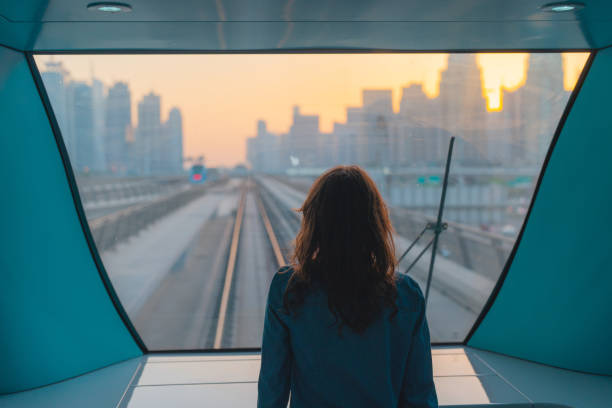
<point x="223" y="96"/>
<point x="376" y="136"/>
<point x="100" y="134"/>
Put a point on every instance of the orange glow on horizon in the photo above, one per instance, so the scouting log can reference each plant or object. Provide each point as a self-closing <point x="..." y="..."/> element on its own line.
<point x="573" y="64"/>
<point x="222" y="96"/>
<point x="499" y="73"/>
<point x="429" y="75"/>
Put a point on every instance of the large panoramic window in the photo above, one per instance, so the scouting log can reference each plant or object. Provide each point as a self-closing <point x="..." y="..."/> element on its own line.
<point x="189" y="168"/>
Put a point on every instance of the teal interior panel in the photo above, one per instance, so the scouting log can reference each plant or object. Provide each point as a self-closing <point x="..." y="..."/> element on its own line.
<point x="56" y="318"/>
<point x="62" y="25"/>
<point x="555" y="306"/>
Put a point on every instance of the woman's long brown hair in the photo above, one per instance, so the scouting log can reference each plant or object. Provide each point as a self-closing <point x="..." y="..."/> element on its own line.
<point x="345" y="246"/>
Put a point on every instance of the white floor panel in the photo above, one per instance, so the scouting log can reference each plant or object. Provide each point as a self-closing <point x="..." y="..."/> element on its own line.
<point x="199" y="372"/>
<point x="464" y="377"/>
<point x="236" y="395"/>
<point x="445" y="365"/>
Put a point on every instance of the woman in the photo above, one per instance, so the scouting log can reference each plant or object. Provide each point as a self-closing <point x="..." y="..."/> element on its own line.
<point x="341" y="328"/>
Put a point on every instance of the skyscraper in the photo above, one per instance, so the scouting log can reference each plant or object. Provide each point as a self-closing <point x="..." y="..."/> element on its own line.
<point x="172" y="160"/>
<point x="263" y="150"/>
<point x="303" y="137"/>
<point x="347" y="136"/>
<point x="149" y="143"/>
<point x="118" y="121"/>
<point x="520" y="134"/>
<point x="544" y="98"/>
<point x="417" y="136"/>
<point x="461" y="94"/>
<point x="377" y="102"/>
<point x="99" y="136"/>
<point x="374" y="138"/>
<point x="82" y="149"/>
<point x="56" y="80"/>
<point x="463" y="108"/>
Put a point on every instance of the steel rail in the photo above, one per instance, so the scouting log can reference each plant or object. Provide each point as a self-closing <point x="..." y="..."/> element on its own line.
<point x="278" y="254"/>
<point x="229" y="270"/>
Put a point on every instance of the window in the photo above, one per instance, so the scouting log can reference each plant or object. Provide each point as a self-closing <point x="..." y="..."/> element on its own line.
<point x="189" y="166"/>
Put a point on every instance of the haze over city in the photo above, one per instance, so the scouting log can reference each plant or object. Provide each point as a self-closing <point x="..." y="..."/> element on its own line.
<point x="222" y="96"/>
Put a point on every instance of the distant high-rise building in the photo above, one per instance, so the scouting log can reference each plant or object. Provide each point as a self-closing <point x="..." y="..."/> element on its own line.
<point x="413" y="103"/>
<point x="56" y="79"/>
<point x="262" y="128"/>
<point x="520" y="134"/>
<point x="418" y="138"/>
<point x="304" y="126"/>
<point x="172" y="154"/>
<point x="345" y="137"/>
<point x="303" y="138"/>
<point x="118" y="122"/>
<point x="462" y="107"/>
<point x="377" y="102"/>
<point x="264" y="151"/>
<point x="461" y="99"/>
<point x="97" y="127"/>
<point x="252" y="153"/>
<point x="82" y="126"/>
<point x="149" y="143"/>
<point x="374" y="138"/>
<point x="418" y="108"/>
<point x="543" y="100"/>
<point x="99" y="136"/>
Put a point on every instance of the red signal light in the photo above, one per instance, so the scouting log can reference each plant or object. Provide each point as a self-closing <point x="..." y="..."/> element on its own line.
<point x="197" y="177"/>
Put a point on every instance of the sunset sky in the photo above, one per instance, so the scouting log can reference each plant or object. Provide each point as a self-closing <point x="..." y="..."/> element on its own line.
<point x="222" y="96"/>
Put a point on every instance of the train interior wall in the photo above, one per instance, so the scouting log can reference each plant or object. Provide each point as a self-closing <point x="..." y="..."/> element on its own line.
<point x="56" y="318"/>
<point x="546" y="336"/>
<point x="555" y="306"/>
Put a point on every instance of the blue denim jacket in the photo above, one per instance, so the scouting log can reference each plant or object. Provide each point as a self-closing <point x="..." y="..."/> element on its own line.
<point x="389" y="365"/>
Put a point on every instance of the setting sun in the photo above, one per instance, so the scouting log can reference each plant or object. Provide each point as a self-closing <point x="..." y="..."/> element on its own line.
<point x="222" y="96"/>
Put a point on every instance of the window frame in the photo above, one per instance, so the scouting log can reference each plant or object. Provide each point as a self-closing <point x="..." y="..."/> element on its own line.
<point x="71" y="179"/>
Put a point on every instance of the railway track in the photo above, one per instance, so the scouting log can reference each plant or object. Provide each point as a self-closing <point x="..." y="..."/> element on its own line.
<point x="214" y="295"/>
<point x="228" y="315"/>
<point x="229" y="271"/>
<point x="285" y="221"/>
<point x="458" y="293"/>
